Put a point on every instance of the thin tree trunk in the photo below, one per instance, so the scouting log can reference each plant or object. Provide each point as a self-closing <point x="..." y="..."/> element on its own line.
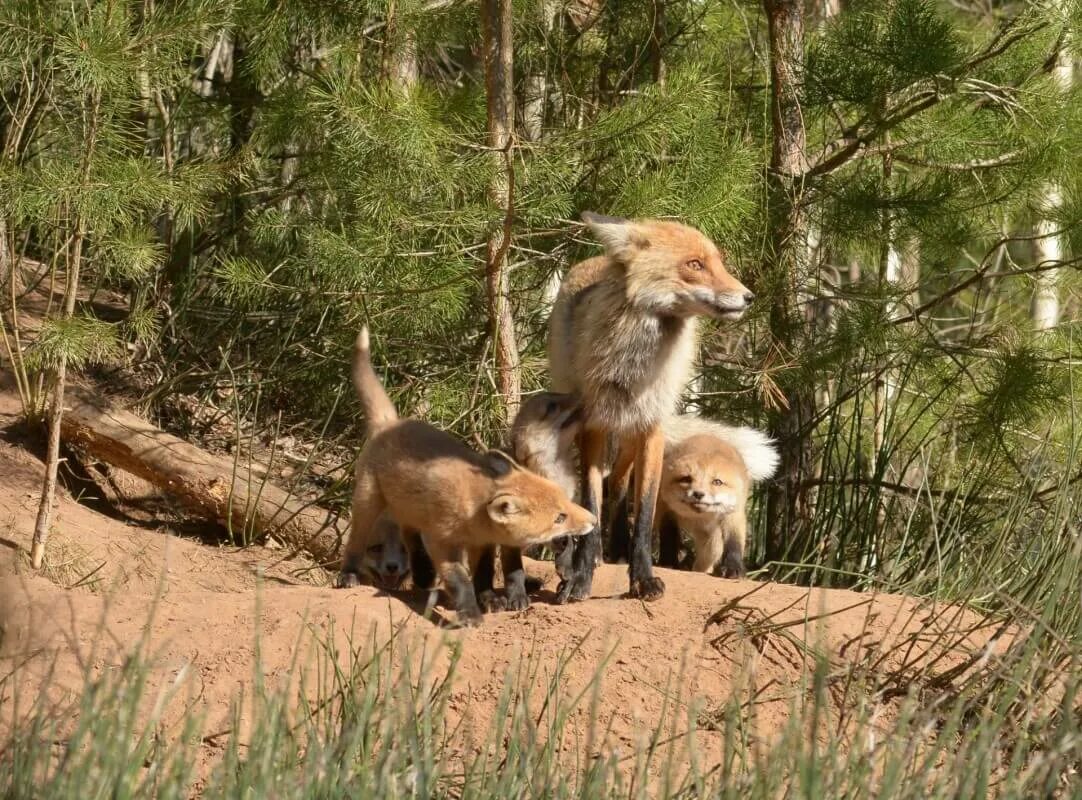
<point x="1049" y="248"/>
<point x="203" y="83"/>
<point x="499" y="87"/>
<point x="657" y="43"/>
<point x="400" y="67"/>
<point x="56" y="409"/>
<point x="785" y="265"/>
<point x="535" y="86"/>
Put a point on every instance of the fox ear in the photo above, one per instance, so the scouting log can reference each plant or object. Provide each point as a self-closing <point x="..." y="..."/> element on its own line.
<point x="498" y="464"/>
<point x="503" y="507"/>
<point x="619" y="236"/>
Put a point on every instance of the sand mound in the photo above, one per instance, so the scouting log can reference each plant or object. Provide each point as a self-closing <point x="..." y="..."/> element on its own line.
<point x="202" y="608"/>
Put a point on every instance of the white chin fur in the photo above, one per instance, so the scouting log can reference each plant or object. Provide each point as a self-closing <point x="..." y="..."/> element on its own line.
<point x="710" y="505"/>
<point x="722" y="306"/>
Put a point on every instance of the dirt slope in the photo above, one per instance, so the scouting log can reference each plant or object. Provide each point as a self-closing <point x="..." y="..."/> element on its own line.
<point x="203" y="607"/>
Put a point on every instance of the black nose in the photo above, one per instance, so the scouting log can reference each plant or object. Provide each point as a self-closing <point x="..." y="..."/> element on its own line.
<point x="392" y="569"/>
<point x="697" y="495"/>
<point x="748" y="297"/>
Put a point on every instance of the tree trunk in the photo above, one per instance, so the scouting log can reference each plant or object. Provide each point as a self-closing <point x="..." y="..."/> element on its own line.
<point x="214" y="488"/>
<point x="1049" y="248"/>
<point x="499" y="88"/>
<point x="400" y="67"/>
<point x="535" y="87"/>
<point x="657" y="43"/>
<point x="56" y="412"/>
<point x="56" y="409"/>
<point x="785" y="266"/>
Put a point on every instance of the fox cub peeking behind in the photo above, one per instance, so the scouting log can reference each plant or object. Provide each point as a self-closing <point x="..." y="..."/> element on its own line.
<point x="622" y="337"/>
<point x="457" y="499"/>
<point x="708" y="474"/>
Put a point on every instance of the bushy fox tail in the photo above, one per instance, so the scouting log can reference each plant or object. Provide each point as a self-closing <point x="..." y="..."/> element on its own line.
<point x="378" y="408"/>
<point x="758" y="451"/>
<point x="756" y="448"/>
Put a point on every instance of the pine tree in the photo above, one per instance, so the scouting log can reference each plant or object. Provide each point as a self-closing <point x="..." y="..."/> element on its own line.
<point x="263" y="178"/>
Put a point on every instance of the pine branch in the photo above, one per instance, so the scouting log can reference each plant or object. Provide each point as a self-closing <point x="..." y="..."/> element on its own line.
<point x="866" y="130"/>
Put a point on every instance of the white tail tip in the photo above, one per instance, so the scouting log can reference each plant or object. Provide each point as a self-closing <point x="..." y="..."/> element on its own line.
<point x="362" y="339"/>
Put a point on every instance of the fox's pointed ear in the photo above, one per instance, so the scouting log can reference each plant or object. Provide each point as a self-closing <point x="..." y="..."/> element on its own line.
<point x="503" y="507"/>
<point x="498" y="464"/>
<point x="619" y="236"/>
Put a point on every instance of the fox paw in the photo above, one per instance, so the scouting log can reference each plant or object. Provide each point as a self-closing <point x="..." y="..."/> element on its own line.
<point x="490" y="601"/>
<point x="347" y="579"/>
<point x="468" y="618"/>
<point x="733" y="567"/>
<point x="647" y="588"/>
<point x="517" y="599"/>
<point x="573" y="589"/>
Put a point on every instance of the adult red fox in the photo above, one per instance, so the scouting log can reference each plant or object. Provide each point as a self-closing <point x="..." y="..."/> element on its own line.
<point x="459" y="500"/>
<point x="622" y="337"/>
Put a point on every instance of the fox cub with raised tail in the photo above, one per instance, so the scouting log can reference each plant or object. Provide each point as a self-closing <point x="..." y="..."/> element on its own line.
<point x="459" y="500"/>
<point x="708" y="474"/>
<point x="622" y="337"/>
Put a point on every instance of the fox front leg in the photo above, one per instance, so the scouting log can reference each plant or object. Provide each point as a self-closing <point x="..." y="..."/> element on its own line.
<point x="578" y="585"/>
<point x="643" y="583"/>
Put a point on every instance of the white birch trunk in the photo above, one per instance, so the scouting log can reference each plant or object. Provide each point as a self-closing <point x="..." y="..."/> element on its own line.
<point x="1049" y="247"/>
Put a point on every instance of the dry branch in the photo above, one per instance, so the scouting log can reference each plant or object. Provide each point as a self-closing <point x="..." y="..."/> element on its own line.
<point x="212" y="487"/>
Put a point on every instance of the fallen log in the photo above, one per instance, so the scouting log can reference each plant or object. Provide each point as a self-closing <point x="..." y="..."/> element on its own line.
<point x="212" y="487"/>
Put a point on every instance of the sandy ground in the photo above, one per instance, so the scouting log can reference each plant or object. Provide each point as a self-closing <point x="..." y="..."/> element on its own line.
<point x="111" y="582"/>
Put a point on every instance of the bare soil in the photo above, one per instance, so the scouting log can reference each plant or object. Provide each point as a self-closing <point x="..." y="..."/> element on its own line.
<point x="113" y="579"/>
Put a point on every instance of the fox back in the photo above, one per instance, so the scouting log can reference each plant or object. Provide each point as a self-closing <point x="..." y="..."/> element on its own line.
<point x="543" y="438"/>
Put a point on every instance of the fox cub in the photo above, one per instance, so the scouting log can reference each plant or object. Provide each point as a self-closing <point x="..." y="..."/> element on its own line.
<point x="707" y="476"/>
<point x="457" y="500"/>
<point x="542" y="440"/>
<point x="622" y="337"/>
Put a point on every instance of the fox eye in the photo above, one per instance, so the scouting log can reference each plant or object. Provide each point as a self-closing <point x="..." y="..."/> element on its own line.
<point x="695" y="264"/>
<point x="684" y="480"/>
<point x="561" y="518"/>
<point x="551" y="408"/>
<point x="718" y="482"/>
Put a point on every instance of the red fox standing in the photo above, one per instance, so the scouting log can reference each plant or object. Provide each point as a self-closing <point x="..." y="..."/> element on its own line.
<point x="622" y="336"/>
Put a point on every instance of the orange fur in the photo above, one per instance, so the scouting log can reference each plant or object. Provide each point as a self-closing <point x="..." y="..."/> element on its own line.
<point x="428" y="481"/>
<point x="622" y="337"/>
<point x="705" y="486"/>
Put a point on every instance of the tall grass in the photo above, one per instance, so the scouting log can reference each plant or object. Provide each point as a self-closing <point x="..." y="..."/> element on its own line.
<point x="371" y="719"/>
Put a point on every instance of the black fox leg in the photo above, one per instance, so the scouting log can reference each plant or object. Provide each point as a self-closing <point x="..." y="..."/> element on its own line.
<point x="421" y="566"/>
<point x="644" y="584"/>
<point x="578" y="584"/>
<point x="514" y="578"/>
<point x="484" y="580"/>
<point x="670" y="541"/>
<point x="619" y="481"/>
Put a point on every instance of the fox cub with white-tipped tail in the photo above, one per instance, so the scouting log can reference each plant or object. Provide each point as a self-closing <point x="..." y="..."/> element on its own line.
<point x="459" y="500"/>
<point x="622" y="337"/>
<point x="707" y="477"/>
